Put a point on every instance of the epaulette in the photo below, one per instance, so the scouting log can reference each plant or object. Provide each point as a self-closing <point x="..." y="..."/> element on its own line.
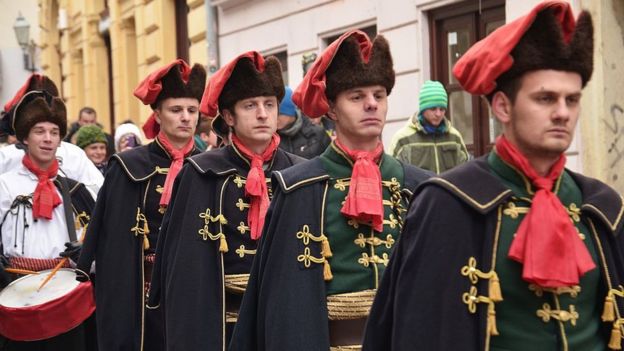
<point x="460" y="181"/>
<point x="137" y="163"/>
<point x="602" y="201"/>
<point x="300" y="174"/>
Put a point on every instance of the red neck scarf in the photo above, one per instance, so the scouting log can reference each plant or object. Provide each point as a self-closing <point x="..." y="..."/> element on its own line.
<point x="45" y="198"/>
<point x="177" y="160"/>
<point x="364" y="202"/>
<point x="255" y="186"/>
<point x="546" y="243"/>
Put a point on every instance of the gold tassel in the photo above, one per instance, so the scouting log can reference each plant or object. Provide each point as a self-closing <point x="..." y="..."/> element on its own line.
<point x="223" y="245"/>
<point x="146" y="244"/>
<point x="495" y="289"/>
<point x="608" y="314"/>
<point x="491" y="322"/>
<point x="77" y="224"/>
<point x="327" y="274"/>
<point x="615" y="343"/>
<point x="325" y="248"/>
<point x="146" y="231"/>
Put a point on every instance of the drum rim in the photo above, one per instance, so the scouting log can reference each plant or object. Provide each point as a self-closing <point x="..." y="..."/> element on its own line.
<point x="44" y="272"/>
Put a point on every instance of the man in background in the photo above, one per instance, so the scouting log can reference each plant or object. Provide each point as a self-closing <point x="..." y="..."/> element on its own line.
<point x="429" y="141"/>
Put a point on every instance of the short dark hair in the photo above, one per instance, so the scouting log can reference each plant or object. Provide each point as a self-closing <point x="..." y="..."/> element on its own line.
<point x="509" y="87"/>
<point x="87" y="109"/>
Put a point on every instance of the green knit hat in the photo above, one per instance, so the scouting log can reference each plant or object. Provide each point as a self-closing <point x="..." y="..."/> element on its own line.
<point x="432" y="94"/>
<point x="90" y="134"/>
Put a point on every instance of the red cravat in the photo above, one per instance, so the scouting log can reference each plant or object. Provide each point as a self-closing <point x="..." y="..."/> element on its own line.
<point x="255" y="186"/>
<point x="364" y="201"/>
<point x="45" y="198"/>
<point x="546" y="243"/>
<point x="177" y="160"/>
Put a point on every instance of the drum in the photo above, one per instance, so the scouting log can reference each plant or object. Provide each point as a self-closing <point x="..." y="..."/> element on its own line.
<point x="61" y="305"/>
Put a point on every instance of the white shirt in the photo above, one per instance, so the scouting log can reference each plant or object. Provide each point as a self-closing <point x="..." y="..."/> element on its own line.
<point x="42" y="238"/>
<point x="73" y="163"/>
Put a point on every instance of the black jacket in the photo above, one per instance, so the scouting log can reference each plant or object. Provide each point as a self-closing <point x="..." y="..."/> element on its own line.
<point x="452" y="218"/>
<point x="303" y="138"/>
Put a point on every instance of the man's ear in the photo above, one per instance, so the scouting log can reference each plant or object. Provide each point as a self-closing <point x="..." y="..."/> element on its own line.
<point x="501" y="107"/>
<point x="157" y="115"/>
<point x="228" y="117"/>
<point x="331" y="113"/>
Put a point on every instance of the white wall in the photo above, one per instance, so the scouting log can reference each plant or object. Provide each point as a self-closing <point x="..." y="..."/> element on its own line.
<point x="12" y="72"/>
<point x="299" y="26"/>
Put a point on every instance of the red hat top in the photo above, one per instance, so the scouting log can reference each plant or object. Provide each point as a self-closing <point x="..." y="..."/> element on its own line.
<point x="209" y="105"/>
<point x="310" y="94"/>
<point x="36" y="81"/>
<point x="478" y="69"/>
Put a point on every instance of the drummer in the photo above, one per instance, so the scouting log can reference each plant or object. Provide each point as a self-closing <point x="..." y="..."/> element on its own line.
<point x="40" y="211"/>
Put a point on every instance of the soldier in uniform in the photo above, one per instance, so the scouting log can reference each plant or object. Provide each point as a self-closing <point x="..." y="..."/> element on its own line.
<point x="512" y="251"/>
<point x="124" y="231"/>
<point x="335" y="218"/>
<point x="42" y="215"/>
<point x="208" y="241"/>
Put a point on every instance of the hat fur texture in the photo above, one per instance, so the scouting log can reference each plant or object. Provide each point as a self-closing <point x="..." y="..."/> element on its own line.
<point x="39" y="106"/>
<point x="174" y="87"/>
<point x="348" y="70"/>
<point x="543" y="47"/>
<point x="246" y="82"/>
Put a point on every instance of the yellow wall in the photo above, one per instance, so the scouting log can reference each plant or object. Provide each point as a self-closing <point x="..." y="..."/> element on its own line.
<point x="142" y="35"/>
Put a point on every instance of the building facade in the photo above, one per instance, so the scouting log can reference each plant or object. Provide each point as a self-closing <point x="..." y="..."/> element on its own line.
<point x="105" y="47"/>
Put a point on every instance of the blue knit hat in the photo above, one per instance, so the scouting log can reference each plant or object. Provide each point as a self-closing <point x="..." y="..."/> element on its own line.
<point x="287" y="107"/>
<point x="432" y="94"/>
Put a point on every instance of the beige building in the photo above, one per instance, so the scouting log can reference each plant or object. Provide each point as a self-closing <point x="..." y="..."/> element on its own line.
<point x="101" y="49"/>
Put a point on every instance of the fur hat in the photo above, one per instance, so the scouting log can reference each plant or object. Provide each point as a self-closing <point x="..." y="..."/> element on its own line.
<point x="173" y="86"/>
<point x="548" y="37"/>
<point x="348" y="70"/>
<point x="175" y="80"/>
<point x="246" y="81"/>
<point x="350" y="61"/>
<point x="543" y="47"/>
<point x="38" y="106"/>
<point x="34" y="82"/>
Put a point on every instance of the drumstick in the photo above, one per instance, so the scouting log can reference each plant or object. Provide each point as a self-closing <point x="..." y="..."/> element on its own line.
<point x="20" y="271"/>
<point x="56" y="268"/>
<point x="61" y="263"/>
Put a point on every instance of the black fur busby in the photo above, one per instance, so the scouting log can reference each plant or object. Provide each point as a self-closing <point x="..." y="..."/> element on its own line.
<point x="174" y="87"/>
<point x="246" y="81"/>
<point x="543" y="47"/>
<point x="38" y="106"/>
<point x="348" y="70"/>
<point x="35" y="82"/>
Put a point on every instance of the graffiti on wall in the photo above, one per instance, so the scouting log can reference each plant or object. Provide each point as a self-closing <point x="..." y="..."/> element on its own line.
<point x="615" y="142"/>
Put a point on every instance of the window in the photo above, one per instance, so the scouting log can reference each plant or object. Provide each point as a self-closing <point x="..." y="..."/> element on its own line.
<point x="453" y="30"/>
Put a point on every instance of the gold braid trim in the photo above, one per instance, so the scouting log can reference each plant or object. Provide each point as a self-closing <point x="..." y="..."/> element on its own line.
<point x="346" y="348"/>
<point x="141" y="231"/>
<point x="474" y="274"/>
<point x="206" y="234"/>
<point x="353" y="305"/>
<point x="305" y="236"/>
<point x="395" y="198"/>
<point x="236" y="283"/>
